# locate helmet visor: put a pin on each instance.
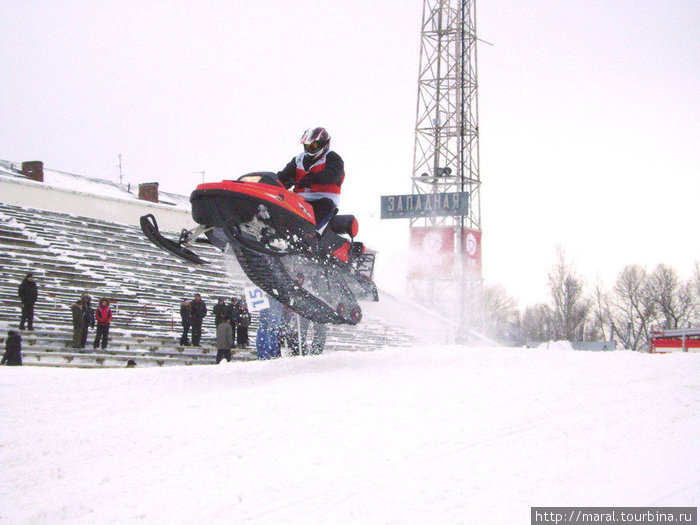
(313, 147)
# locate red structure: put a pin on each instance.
(148, 191)
(34, 170)
(684, 340)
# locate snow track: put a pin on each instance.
(423, 435)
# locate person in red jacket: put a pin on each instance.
(317, 173)
(103, 316)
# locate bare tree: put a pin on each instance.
(691, 299)
(500, 312)
(695, 287)
(601, 315)
(569, 307)
(536, 323)
(637, 302)
(675, 301)
(632, 307)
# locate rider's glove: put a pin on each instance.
(304, 183)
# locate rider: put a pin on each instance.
(317, 173)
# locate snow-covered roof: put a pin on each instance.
(90, 185)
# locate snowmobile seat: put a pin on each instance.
(345, 225)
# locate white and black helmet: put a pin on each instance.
(316, 142)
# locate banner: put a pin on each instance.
(432, 251)
(472, 250)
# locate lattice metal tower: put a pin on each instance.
(446, 152)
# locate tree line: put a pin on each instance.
(625, 312)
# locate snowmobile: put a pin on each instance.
(318, 273)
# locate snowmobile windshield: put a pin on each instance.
(261, 178)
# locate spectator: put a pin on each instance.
(103, 315)
(13, 350)
(131, 363)
(78, 322)
(224, 340)
(88, 318)
(266, 340)
(242, 322)
(186, 317)
(28, 294)
(220, 310)
(199, 312)
(319, 340)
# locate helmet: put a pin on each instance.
(316, 142)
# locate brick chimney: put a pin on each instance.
(34, 170)
(148, 191)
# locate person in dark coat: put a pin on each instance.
(88, 319)
(242, 323)
(316, 174)
(76, 310)
(221, 310)
(186, 319)
(103, 315)
(199, 312)
(28, 294)
(13, 350)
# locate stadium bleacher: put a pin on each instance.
(71, 255)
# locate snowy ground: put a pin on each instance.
(425, 435)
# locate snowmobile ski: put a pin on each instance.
(149, 226)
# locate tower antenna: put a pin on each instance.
(446, 157)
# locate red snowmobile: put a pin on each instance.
(272, 231)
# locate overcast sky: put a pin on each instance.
(589, 119)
